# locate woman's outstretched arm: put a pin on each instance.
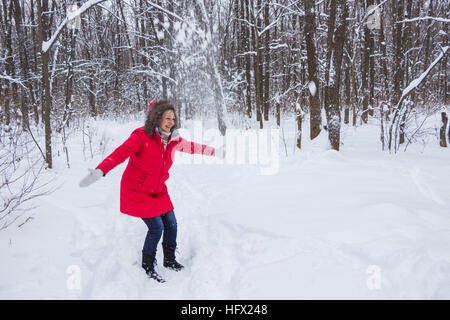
(132, 145)
(193, 147)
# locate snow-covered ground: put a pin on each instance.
(355, 224)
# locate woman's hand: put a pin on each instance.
(220, 152)
(92, 177)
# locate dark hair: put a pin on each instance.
(155, 114)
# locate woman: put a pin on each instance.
(143, 191)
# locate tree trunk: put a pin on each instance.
(384, 65)
(35, 65)
(366, 52)
(257, 63)
(398, 73)
(448, 135)
(371, 74)
(278, 114)
(91, 96)
(443, 142)
(248, 61)
(299, 129)
(347, 96)
(43, 29)
(9, 65)
(336, 51)
(267, 63)
(69, 79)
(314, 103)
(23, 65)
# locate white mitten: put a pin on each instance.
(94, 175)
(220, 152)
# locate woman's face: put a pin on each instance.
(167, 121)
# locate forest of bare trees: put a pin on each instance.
(328, 62)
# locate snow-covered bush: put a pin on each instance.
(21, 174)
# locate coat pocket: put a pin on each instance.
(149, 182)
(141, 180)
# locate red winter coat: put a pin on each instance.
(143, 191)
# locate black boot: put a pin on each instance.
(149, 263)
(169, 259)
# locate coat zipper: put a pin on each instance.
(164, 155)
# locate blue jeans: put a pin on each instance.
(165, 222)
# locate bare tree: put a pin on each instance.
(21, 175)
(401, 109)
(337, 31)
(314, 103)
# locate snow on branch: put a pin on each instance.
(400, 110)
(269, 26)
(275, 22)
(373, 10)
(154, 73)
(439, 19)
(8, 78)
(165, 11)
(46, 45)
(418, 80)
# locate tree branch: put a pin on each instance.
(46, 45)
